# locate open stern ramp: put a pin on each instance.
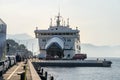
(55, 47)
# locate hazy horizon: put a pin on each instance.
(29, 37)
(97, 20)
(91, 50)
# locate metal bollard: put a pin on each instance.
(24, 67)
(46, 75)
(42, 71)
(51, 78)
(1, 73)
(25, 61)
(22, 75)
(39, 68)
(42, 77)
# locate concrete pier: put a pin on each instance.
(74, 63)
(32, 69)
(34, 74)
(14, 73)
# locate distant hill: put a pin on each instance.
(100, 51)
(23, 36)
(90, 49)
(30, 42)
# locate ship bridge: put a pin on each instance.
(54, 47)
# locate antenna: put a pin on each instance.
(58, 20)
(36, 28)
(76, 28)
(68, 22)
(59, 7)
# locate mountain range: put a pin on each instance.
(100, 51)
(30, 42)
(90, 49)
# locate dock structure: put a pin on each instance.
(26, 71)
(74, 63)
(58, 40)
(32, 69)
(34, 75)
(17, 72)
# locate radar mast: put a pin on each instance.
(58, 20)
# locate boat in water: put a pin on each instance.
(59, 41)
(60, 46)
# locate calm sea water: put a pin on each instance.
(87, 73)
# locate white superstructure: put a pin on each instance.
(59, 40)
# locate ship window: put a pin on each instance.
(59, 33)
(74, 33)
(63, 33)
(56, 28)
(44, 33)
(71, 33)
(52, 29)
(67, 33)
(43, 40)
(48, 33)
(69, 40)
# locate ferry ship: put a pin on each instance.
(60, 46)
(59, 40)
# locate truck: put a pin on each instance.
(80, 56)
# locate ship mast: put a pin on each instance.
(68, 22)
(58, 20)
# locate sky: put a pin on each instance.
(97, 20)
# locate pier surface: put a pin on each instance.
(14, 72)
(32, 73)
